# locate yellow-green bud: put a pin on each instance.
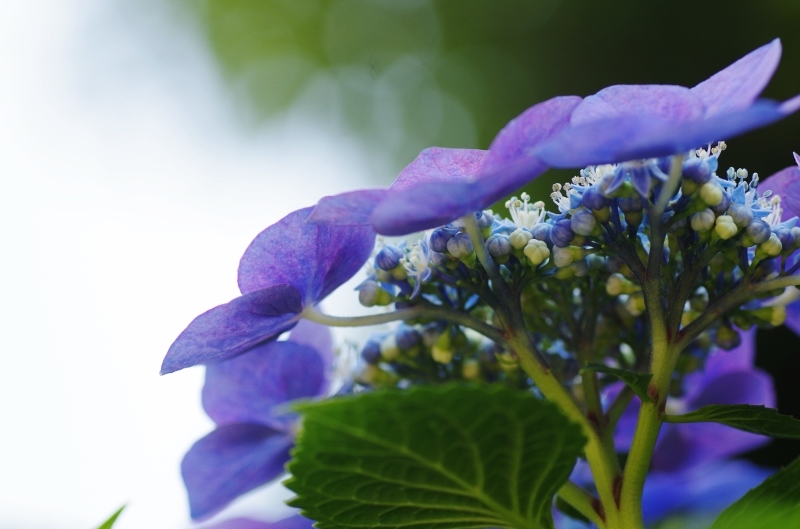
(389, 348)
(635, 304)
(770, 248)
(725, 227)
(617, 284)
(711, 193)
(536, 251)
(471, 370)
(519, 238)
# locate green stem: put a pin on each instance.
(421, 311)
(583, 502)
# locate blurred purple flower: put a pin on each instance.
(247, 398)
(633, 122)
(442, 185)
(786, 184)
(729, 377)
(288, 266)
(292, 522)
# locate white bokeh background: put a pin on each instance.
(129, 191)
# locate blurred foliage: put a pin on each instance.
(408, 74)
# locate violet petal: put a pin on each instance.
(315, 259)
(738, 85)
(250, 388)
(347, 209)
(785, 183)
(661, 102)
(613, 140)
(232, 460)
(316, 336)
(230, 329)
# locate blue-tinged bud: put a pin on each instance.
(630, 204)
(370, 294)
(727, 338)
(499, 247)
(723, 206)
(484, 219)
(542, 232)
(407, 337)
(389, 258)
(758, 232)
(583, 222)
(460, 246)
(562, 233)
(699, 170)
(441, 236)
(581, 268)
(703, 221)
(371, 353)
(438, 259)
(786, 237)
(594, 199)
(742, 215)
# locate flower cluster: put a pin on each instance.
(647, 261)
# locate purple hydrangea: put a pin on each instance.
(289, 266)
(247, 398)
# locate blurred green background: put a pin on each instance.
(408, 74)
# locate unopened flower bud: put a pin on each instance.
(727, 338)
(536, 251)
(563, 256)
(519, 238)
(787, 239)
(371, 353)
(631, 204)
(407, 337)
(723, 205)
(583, 222)
(635, 304)
(699, 170)
(562, 233)
(389, 348)
(460, 246)
(484, 219)
(580, 267)
(371, 294)
(389, 258)
(471, 369)
(771, 247)
(593, 199)
(703, 221)
(742, 215)
(542, 232)
(757, 232)
(442, 350)
(725, 227)
(499, 247)
(441, 236)
(711, 193)
(617, 284)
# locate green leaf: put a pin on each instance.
(755, 419)
(775, 504)
(433, 457)
(108, 524)
(637, 382)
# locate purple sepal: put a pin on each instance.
(315, 259)
(250, 388)
(706, 489)
(230, 329)
(316, 336)
(738, 85)
(232, 460)
(667, 103)
(785, 183)
(292, 522)
(613, 140)
(347, 209)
